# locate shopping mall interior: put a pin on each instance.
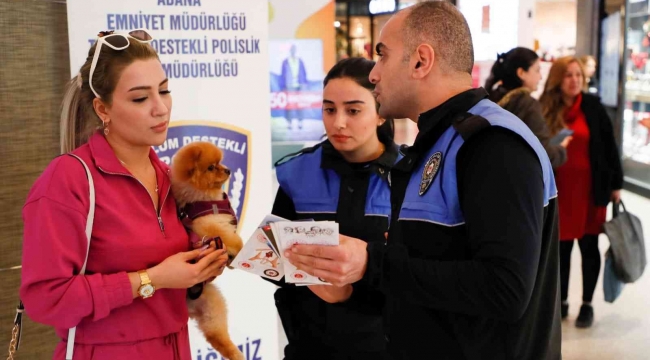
(225, 59)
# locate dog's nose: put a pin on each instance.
(227, 171)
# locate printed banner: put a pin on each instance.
(296, 90)
(215, 54)
(301, 51)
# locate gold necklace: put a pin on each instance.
(156, 176)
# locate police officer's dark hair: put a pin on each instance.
(358, 69)
(505, 68)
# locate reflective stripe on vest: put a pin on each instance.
(440, 203)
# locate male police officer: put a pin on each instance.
(470, 266)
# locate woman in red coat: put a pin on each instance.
(591, 177)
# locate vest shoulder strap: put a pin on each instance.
(468, 125)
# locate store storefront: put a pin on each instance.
(635, 97)
(358, 23)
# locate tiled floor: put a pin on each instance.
(621, 330)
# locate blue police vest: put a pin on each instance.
(440, 203)
(316, 191)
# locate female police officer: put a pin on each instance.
(342, 179)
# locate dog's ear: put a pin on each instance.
(195, 153)
(191, 155)
(196, 157)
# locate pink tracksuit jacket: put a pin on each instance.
(128, 235)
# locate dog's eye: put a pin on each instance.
(211, 168)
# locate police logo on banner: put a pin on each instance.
(233, 141)
(429, 172)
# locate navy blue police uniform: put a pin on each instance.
(319, 184)
(470, 267)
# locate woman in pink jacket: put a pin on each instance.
(112, 123)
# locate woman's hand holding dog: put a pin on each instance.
(222, 261)
(176, 272)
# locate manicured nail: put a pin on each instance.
(287, 254)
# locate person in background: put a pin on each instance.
(342, 179)
(589, 64)
(588, 181)
(518, 72)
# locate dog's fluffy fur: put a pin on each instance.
(197, 175)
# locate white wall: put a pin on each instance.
(552, 24)
(526, 29)
(555, 25)
(503, 32)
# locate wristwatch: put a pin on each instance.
(146, 290)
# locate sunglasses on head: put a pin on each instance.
(116, 41)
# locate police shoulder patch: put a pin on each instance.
(429, 172)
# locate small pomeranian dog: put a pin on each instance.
(197, 180)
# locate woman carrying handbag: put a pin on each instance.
(588, 181)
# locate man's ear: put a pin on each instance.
(422, 61)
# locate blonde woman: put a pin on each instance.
(588, 181)
(130, 303)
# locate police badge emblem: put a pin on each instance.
(430, 171)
